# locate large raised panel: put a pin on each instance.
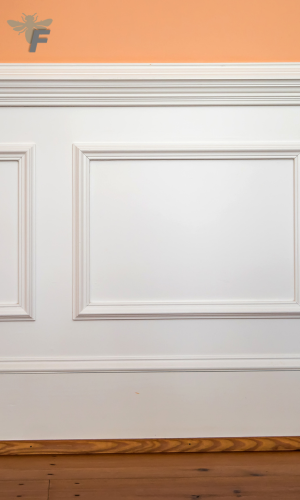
(185, 231)
(16, 232)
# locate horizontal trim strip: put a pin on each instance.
(149, 84)
(106, 71)
(149, 364)
(176, 445)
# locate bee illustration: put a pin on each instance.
(28, 25)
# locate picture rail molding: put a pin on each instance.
(24, 154)
(150, 84)
(84, 309)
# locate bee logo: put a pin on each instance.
(29, 24)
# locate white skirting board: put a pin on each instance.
(149, 405)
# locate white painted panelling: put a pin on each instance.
(189, 230)
(185, 231)
(45, 391)
(17, 232)
(54, 335)
(9, 232)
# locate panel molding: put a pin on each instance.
(84, 309)
(24, 154)
(150, 364)
(150, 84)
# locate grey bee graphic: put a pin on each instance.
(28, 25)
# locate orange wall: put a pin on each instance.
(156, 31)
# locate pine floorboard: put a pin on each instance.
(203, 476)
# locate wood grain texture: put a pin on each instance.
(31, 490)
(195, 445)
(130, 466)
(182, 488)
(261, 476)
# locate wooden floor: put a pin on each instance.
(212, 476)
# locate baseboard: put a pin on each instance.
(176, 445)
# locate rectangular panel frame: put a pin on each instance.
(24, 154)
(84, 309)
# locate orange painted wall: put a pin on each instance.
(156, 31)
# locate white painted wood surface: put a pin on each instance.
(9, 232)
(17, 232)
(117, 405)
(150, 84)
(185, 230)
(190, 204)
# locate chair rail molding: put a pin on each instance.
(24, 154)
(84, 309)
(149, 84)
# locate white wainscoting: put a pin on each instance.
(17, 231)
(166, 257)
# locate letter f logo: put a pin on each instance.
(36, 39)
